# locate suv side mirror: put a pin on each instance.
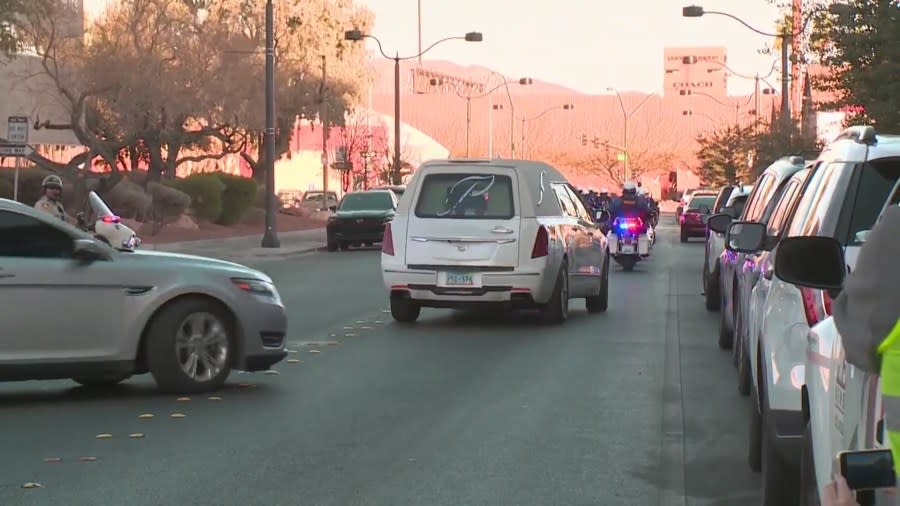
(745, 237)
(88, 250)
(332, 208)
(861, 236)
(719, 222)
(811, 262)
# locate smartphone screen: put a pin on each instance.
(868, 469)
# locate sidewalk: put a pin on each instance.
(246, 249)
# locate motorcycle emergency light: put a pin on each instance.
(630, 224)
(110, 219)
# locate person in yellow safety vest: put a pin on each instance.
(867, 315)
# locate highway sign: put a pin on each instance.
(17, 130)
(11, 150)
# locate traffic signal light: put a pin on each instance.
(584, 139)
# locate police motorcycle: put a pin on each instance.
(628, 241)
(108, 227)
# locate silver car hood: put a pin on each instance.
(193, 261)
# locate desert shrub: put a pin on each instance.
(238, 197)
(168, 204)
(129, 200)
(205, 191)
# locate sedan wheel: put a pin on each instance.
(189, 347)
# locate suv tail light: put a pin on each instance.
(541, 243)
(387, 240)
(816, 305)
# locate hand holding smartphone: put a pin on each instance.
(868, 469)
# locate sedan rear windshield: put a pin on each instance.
(466, 196)
(367, 202)
(699, 201)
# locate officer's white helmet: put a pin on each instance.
(641, 191)
(52, 180)
(604, 191)
(629, 186)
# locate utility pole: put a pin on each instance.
(323, 113)
(270, 236)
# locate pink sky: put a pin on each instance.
(587, 45)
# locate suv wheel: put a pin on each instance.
(684, 235)
(189, 347)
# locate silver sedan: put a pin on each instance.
(74, 307)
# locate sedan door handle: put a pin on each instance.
(502, 230)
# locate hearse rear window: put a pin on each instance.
(466, 196)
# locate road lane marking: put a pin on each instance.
(272, 372)
(50, 460)
(32, 484)
(145, 415)
(182, 399)
(177, 415)
(214, 398)
(87, 459)
(671, 457)
(103, 436)
(293, 361)
(136, 435)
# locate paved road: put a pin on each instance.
(633, 407)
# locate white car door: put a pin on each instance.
(55, 308)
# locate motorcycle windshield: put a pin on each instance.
(99, 206)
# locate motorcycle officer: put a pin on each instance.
(630, 205)
(51, 188)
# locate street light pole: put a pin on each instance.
(627, 115)
(356, 35)
(270, 237)
(468, 124)
(785, 87)
(490, 126)
(395, 171)
(565, 107)
(696, 11)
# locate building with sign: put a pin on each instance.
(695, 68)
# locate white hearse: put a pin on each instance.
(514, 233)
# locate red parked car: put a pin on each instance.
(693, 219)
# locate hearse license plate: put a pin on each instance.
(460, 279)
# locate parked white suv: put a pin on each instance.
(510, 232)
(841, 404)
